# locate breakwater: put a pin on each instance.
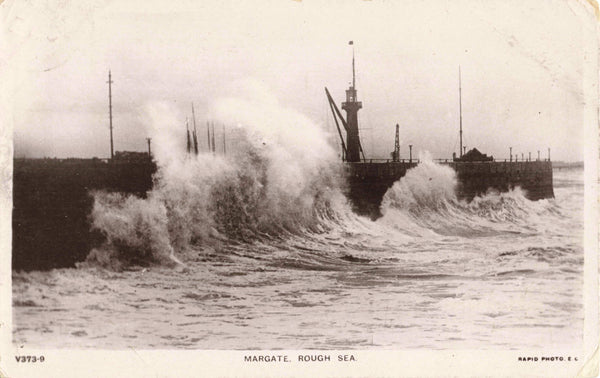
(52, 198)
(368, 181)
(52, 202)
(534, 177)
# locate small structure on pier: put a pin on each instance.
(474, 155)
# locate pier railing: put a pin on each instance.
(492, 161)
(451, 161)
(390, 161)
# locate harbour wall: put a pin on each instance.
(368, 181)
(52, 198)
(474, 178)
(52, 202)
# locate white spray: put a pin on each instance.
(280, 178)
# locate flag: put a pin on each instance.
(351, 42)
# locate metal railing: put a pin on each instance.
(492, 161)
(407, 161)
(417, 161)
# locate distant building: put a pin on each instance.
(474, 155)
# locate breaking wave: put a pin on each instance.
(283, 178)
(284, 182)
(425, 200)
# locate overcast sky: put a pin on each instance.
(522, 66)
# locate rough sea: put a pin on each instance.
(260, 250)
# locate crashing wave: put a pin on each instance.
(282, 178)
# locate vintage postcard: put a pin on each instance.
(299, 188)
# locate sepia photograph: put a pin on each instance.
(290, 188)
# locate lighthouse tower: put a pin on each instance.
(351, 106)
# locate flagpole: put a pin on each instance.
(353, 74)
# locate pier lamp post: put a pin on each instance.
(510, 154)
(548, 153)
(530, 156)
(538, 155)
(410, 153)
(522, 157)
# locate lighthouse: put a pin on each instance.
(352, 106)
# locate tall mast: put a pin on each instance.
(189, 140)
(353, 73)
(195, 137)
(208, 135)
(224, 145)
(214, 150)
(110, 113)
(460, 110)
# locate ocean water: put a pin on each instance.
(260, 250)
(500, 272)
